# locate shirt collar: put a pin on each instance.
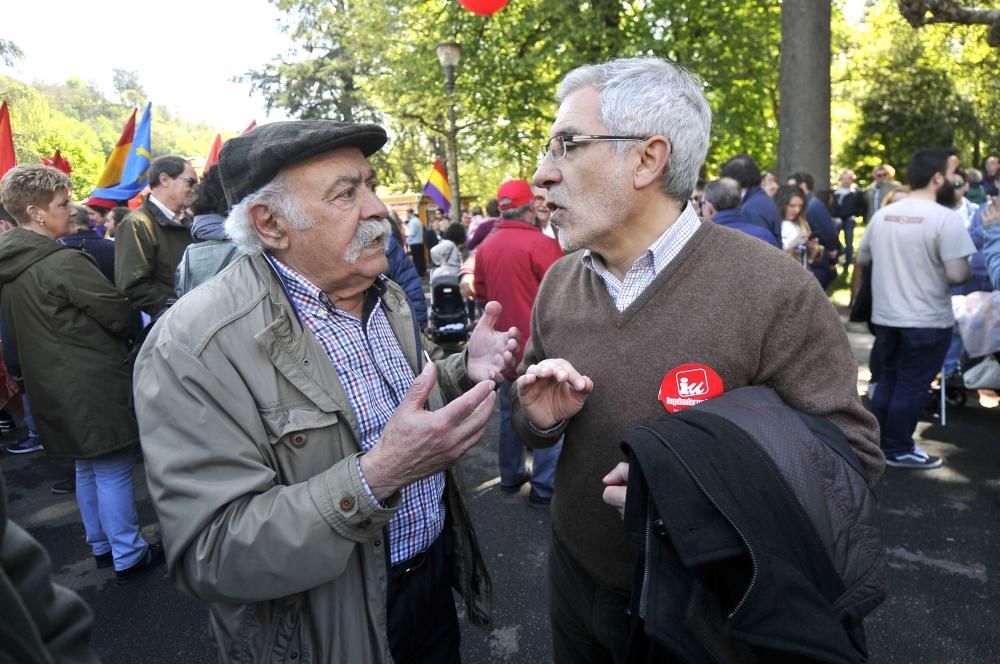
(661, 251)
(308, 293)
(171, 215)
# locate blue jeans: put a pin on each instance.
(911, 357)
(510, 454)
(29, 419)
(106, 498)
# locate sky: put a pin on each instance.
(200, 47)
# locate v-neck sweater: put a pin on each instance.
(727, 301)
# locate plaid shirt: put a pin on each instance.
(649, 264)
(376, 376)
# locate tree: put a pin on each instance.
(926, 12)
(129, 89)
(804, 115)
(9, 52)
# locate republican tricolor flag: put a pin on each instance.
(437, 187)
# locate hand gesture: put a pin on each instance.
(552, 391)
(991, 212)
(616, 487)
(416, 443)
(490, 351)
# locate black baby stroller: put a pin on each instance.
(448, 321)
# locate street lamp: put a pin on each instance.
(449, 53)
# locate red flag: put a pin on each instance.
(58, 161)
(252, 125)
(7, 158)
(213, 153)
(112, 174)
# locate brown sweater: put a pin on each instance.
(729, 301)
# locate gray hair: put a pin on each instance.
(30, 184)
(723, 194)
(277, 197)
(650, 96)
(515, 213)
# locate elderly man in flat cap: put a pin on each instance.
(298, 440)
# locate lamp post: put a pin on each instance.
(449, 53)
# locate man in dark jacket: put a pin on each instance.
(151, 240)
(848, 204)
(70, 327)
(757, 206)
(721, 204)
(86, 239)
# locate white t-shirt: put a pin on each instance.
(791, 235)
(909, 241)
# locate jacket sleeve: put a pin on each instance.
(807, 358)
(991, 250)
(135, 251)
(401, 271)
(42, 621)
(233, 532)
(83, 284)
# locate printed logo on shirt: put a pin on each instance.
(688, 385)
(903, 219)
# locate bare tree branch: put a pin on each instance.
(925, 12)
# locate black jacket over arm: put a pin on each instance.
(759, 536)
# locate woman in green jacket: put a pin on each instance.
(70, 326)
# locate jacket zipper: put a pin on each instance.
(645, 571)
(715, 503)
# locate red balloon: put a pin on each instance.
(484, 7)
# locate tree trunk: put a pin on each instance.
(804, 107)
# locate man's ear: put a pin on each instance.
(654, 157)
(271, 230)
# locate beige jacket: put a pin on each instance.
(251, 445)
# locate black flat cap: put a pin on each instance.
(249, 161)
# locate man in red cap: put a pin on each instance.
(510, 265)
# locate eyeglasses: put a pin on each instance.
(958, 184)
(557, 146)
(191, 181)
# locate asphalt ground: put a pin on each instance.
(940, 533)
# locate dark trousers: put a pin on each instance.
(911, 357)
(418, 258)
(423, 625)
(590, 623)
(847, 225)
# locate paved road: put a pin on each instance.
(940, 529)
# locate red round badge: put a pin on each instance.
(688, 385)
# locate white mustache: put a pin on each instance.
(369, 232)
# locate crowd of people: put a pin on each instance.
(262, 333)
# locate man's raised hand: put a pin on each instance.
(552, 391)
(416, 443)
(490, 351)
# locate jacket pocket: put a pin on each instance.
(302, 441)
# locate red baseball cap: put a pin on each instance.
(514, 194)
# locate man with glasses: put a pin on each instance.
(649, 291)
(151, 240)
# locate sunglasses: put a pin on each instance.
(191, 181)
(958, 184)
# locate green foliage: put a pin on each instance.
(377, 61)
(9, 52)
(897, 89)
(79, 120)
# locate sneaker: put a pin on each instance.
(539, 502)
(25, 446)
(7, 423)
(152, 558)
(916, 459)
(516, 486)
(104, 560)
(64, 487)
